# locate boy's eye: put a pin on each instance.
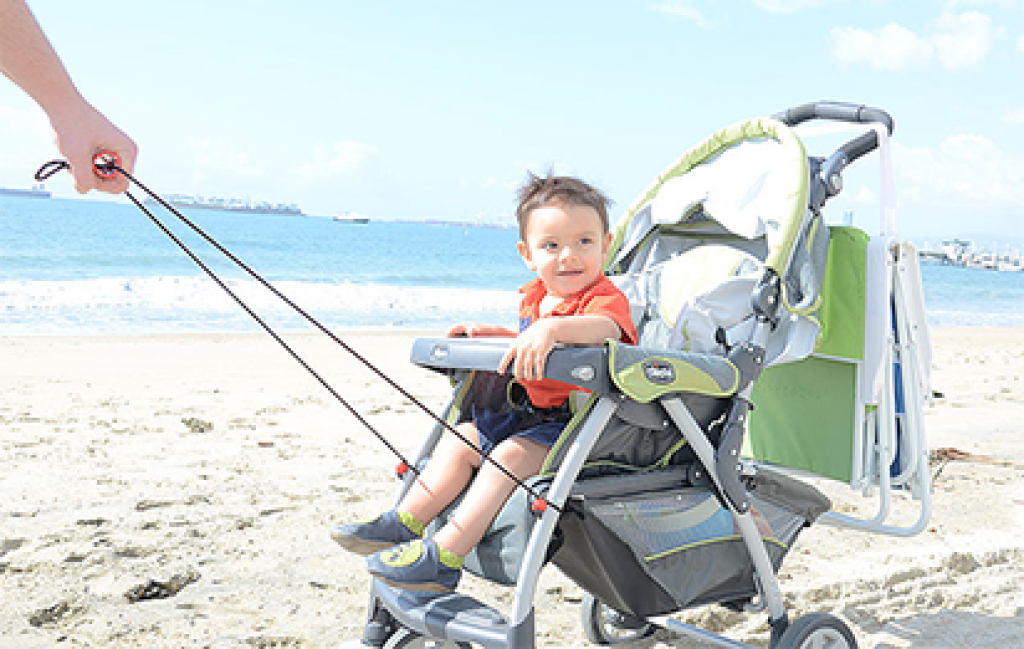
(549, 245)
(586, 241)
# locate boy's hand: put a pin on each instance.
(530, 350)
(477, 330)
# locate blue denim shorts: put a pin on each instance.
(541, 425)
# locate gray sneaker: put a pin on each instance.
(416, 565)
(383, 532)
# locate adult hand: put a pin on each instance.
(80, 132)
(28, 59)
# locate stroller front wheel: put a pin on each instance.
(817, 631)
(604, 625)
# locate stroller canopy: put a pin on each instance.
(747, 181)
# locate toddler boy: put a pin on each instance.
(564, 237)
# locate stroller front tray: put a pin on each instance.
(586, 367)
(642, 373)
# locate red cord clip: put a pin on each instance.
(401, 469)
(538, 506)
(106, 164)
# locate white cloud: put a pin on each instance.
(965, 171)
(682, 9)
(787, 6)
(345, 158)
(959, 41)
(208, 154)
(963, 40)
(891, 48)
(26, 142)
(17, 120)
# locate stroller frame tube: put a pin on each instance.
(536, 549)
(703, 635)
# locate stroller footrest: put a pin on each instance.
(450, 616)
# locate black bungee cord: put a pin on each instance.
(107, 164)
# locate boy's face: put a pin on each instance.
(565, 245)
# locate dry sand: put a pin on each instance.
(129, 459)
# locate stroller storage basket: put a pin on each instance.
(664, 547)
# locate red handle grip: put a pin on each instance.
(106, 164)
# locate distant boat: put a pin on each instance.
(37, 191)
(349, 217)
(227, 205)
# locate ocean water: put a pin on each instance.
(75, 266)
(86, 267)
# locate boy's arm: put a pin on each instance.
(531, 348)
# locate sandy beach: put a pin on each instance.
(137, 458)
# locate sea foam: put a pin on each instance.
(179, 303)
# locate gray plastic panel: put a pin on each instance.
(452, 616)
(586, 367)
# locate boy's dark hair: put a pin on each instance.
(538, 192)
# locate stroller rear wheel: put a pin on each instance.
(817, 631)
(604, 625)
(407, 639)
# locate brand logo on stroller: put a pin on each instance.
(660, 372)
(439, 352)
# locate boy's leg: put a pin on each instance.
(487, 495)
(435, 564)
(447, 473)
(449, 470)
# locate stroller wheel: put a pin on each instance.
(817, 631)
(406, 639)
(605, 626)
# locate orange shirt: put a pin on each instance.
(600, 298)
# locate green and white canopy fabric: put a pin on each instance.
(695, 241)
(750, 178)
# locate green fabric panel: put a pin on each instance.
(781, 241)
(803, 417)
(844, 294)
(630, 369)
(688, 378)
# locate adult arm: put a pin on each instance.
(28, 59)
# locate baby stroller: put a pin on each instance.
(675, 486)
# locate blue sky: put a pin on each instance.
(419, 110)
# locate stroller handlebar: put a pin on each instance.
(841, 112)
(836, 111)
